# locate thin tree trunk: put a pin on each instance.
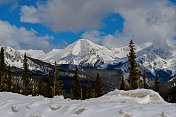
(54, 89)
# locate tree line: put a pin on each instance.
(87, 90)
(53, 86)
(26, 85)
(133, 79)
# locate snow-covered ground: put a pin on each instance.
(137, 103)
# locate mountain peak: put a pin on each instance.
(85, 52)
(82, 47)
(85, 42)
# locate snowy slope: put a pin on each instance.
(37, 54)
(14, 58)
(158, 58)
(137, 103)
(85, 52)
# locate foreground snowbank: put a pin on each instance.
(136, 103)
(142, 96)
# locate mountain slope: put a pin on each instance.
(37, 54)
(159, 58)
(154, 59)
(14, 58)
(84, 52)
(40, 68)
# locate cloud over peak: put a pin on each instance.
(145, 20)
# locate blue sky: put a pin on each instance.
(112, 23)
(58, 26)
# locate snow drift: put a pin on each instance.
(136, 103)
(142, 96)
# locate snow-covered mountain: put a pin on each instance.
(83, 52)
(37, 54)
(14, 58)
(86, 53)
(158, 58)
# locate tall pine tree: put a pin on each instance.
(2, 69)
(26, 76)
(133, 74)
(84, 92)
(122, 84)
(76, 85)
(98, 88)
(34, 87)
(40, 87)
(58, 84)
(89, 90)
(16, 85)
(156, 83)
(9, 79)
(49, 89)
(145, 85)
(43, 87)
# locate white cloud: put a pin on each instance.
(116, 40)
(93, 36)
(110, 40)
(145, 20)
(150, 21)
(72, 15)
(29, 14)
(21, 38)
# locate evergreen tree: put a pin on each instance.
(30, 86)
(84, 92)
(89, 90)
(40, 87)
(133, 74)
(9, 80)
(58, 84)
(139, 79)
(59, 87)
(122, 84)
(98, 88)
(33, 88)
(76, 85)
(145, 85)
(44, 89)
(93, 95)
(49, 89)
(2, 69)
(156, 83)
(25, 76)
(16, 86)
